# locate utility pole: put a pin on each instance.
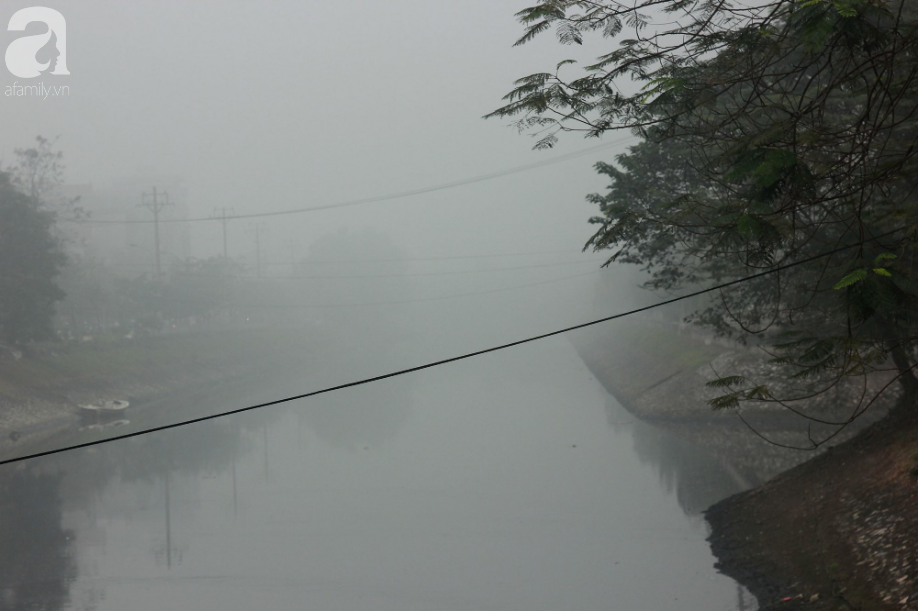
(224, 215)
(258, 249)
(152, 201)
(257, 229)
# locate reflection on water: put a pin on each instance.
(362, 417)
(698, 479)
(36, 562)
(496, 483)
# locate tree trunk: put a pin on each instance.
(906, 406)
(906, 373)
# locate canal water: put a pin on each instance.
(510, 482)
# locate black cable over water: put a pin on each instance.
(454, 359)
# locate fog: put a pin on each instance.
(511, 481)
(272, 106)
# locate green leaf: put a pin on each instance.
(882, 272)
(661, 86)
(725, 402)
(882, 256)
(726, 381)
(531, 32)
(852, 278)
(746, 225)
(845, 9)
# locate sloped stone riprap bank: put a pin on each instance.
(833, 529)
(837, 532)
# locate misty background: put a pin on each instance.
(245, 108)
(513, 480)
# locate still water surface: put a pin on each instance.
(509, 482)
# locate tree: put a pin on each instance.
(39, 173)
(39, 170)
(772, 133)
(30, 258)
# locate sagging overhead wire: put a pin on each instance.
(378, 260)
(444, 258)
(361, 304)
(433, 364)
(454, 272)
(366, 200)
(457, 272)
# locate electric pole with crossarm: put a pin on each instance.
(224, 215)
(155, 201)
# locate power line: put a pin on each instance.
(446, 258)
(405, 275)
(433, 364)
(307, 306)
(318, 306)
(413, 275)
(375, 260)
(375, 198)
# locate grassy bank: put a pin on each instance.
(91, 365)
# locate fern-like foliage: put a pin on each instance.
(771, 132)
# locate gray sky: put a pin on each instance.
(275, 105)
(269, 105)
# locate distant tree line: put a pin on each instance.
(98, 300)
(49, 290)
